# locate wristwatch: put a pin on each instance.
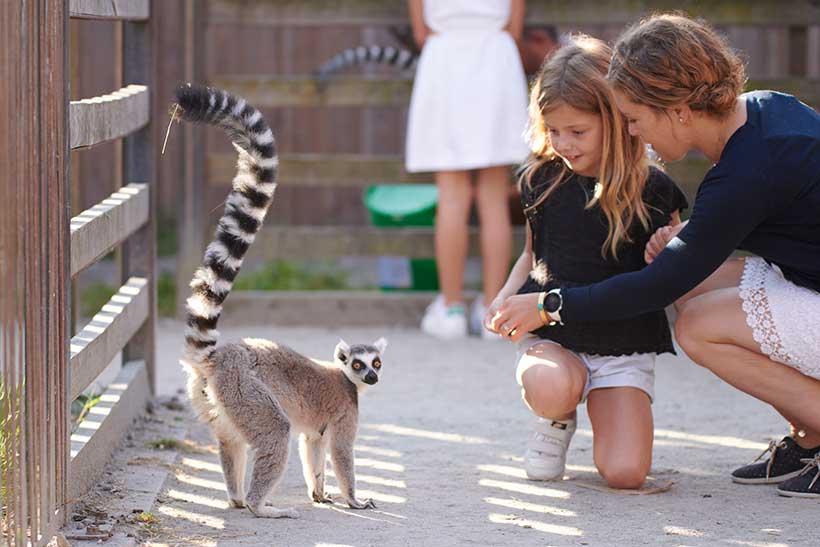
(553, 303)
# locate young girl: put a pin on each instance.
(592, 203)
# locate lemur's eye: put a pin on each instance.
(377, 364)
(357, 365)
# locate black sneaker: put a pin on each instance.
(806, 484)
(783, 464)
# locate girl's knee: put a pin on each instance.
(549, 394)
(624, 474)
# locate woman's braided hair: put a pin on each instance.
(669, 59)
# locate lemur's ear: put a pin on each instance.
(342, 351)
(380, 344)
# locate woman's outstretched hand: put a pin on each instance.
(515, 317)
(659, 239)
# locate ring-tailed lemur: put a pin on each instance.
(402, 58)
(255, 392)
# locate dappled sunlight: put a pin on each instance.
(201, 483)
(380, 465)
(695, 440)
(372, 479)
(525, 489)
(95, 417)
(516, 472)
(680, 531)
(754, 543)
(197, 518)
(434, 435)
(532, 507)
(363, 494)
(188, 497)
(521, 485)
(201, 465)
(534, 524)
(377, 451)
(360, 514)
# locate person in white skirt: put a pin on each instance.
(467, 118)
(755, 321)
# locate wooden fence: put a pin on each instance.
(351, 134)
(43, 367)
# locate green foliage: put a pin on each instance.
(9, 414)
(166, 295)
(94, 297)
(80, 407)
(166, 237)
(165, 444)
(283, 275)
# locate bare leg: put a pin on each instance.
(451, 234)
(803, 436)
(712, 330)
(492, 194)
(232, 454)
(728, 275)
(312, 452)
(552, 381)
(622, 429)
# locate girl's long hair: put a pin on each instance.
(575, 75)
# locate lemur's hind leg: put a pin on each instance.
(312, 452)
(232, 456)
(264, 425)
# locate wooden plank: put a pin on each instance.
(320, 242)
(139, 252)
(358, 170)
(97, 230)
(107, 333)
(116, 10)
(269, 92)
(328, 308)
(325, 170)
(557, 12)
(107, 117)
(34, 276)
(105, 426)
(302, 91)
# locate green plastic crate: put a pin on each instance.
(402, 205)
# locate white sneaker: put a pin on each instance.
(546, 455)
(443, 321)
(477, 313)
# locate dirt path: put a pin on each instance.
(439, 451)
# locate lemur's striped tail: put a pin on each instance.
(252, 194)
(389, 55)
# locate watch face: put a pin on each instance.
(552, 302)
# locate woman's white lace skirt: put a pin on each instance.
(784, 317)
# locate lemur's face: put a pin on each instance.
(361, 363)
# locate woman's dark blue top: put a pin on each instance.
(763, 196)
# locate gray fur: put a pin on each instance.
(255, 393)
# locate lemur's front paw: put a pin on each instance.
(366, 504)
(238, 504)
(321, 498)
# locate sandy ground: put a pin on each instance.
(439, 450)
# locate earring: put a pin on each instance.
(680, 120)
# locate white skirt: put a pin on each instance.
(469, 103)
(784, 317)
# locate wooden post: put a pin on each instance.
(191, 225)
(139, 251)
(34, 275)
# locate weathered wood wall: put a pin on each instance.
(259, 46)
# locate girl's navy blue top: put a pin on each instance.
(567, 239)
(763, 196)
